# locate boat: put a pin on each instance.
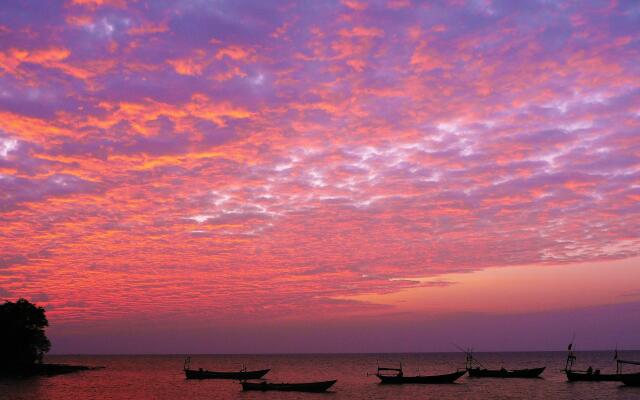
(264, 386)
(591, 375)
(481, 372)
(239, 375)
(505, 373)
(200, 373)
(631, 379)
(397, 377)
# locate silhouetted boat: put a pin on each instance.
(399, 377)
(590, 375)
(205, 374)
(596, 376)
(631, 379)
(288, 387)
(481, 372)
(505, 373)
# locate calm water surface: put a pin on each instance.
(161, 377)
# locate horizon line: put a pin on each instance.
(334, 353)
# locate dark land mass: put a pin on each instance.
(45, 370)
(23, 342)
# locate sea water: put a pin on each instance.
(160, 377)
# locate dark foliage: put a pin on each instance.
(22, 338)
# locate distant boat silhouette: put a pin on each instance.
(505, 373)
(398, 377)
(590, 375)
(481, 372)
(205, 374)
(288, 387)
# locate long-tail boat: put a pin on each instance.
(288, 387)
(480, 372)
(591, 375)
(396, 376)
(205, 374)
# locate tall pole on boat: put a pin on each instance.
(570, 357)
(615, 357)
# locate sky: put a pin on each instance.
(300, 176)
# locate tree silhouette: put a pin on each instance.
(22, 338)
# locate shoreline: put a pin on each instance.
(46, 370)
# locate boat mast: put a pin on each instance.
(187, 363)
(571, 357)
(469, 359)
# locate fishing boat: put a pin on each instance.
(264, 386)
(479, 371)
(631, 379)
(591, 375)
(205, 374)
(505, 373)
(396, 376)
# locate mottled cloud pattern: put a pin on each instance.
(237, 159)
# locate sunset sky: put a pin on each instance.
(254, 176)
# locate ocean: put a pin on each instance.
(160, 377)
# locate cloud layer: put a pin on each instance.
(241, 159)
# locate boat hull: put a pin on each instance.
(239, 375)
(505, 373)
(288, 387)
(424, 379)
(631, 379)
(573, 376)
